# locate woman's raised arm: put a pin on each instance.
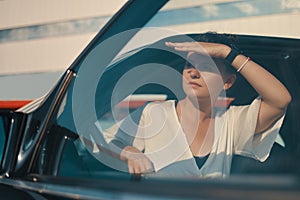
(274, 95)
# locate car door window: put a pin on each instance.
(121, 99)
(107, 89)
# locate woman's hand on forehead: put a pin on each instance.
(204, 48)
(200, 54)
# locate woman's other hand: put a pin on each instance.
(137, 161)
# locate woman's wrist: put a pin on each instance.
(128, 151)
(232, 54)
(226, 51)
(240, 62)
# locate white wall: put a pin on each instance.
(277, 25)
(30, 68)
(50, 53)
(16, 13)
(41, 55)
(22, 61)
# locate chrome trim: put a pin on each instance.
(53, 107)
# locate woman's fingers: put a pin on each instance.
(185, 46)
(131, 167)
(192, 47)
(146, 166)
(137, 161)
(139, 164)
(204, 48)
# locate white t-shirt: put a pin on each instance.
(155, 130)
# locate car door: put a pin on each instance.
(64, 150)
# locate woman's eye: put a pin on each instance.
(188, 66)
(207, 68)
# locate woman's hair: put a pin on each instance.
(227, 39)
(224, 38)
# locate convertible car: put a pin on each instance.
(53, 147)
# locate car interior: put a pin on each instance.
(277, 55)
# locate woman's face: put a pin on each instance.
(202, 78)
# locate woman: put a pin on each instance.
(207, 138)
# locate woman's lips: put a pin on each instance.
(193, 84)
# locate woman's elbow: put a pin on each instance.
(280, 101)
(285, 100)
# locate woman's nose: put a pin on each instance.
(194, 73)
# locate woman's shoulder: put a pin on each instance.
(254, 105)
(238, 110)
(165, 105)
(162, 103)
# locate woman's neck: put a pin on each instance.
(202, 108)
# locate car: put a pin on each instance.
(53, 147)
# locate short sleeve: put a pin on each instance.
(244, 119)
(126, 132)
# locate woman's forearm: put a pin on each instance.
(271, 90)
(274, 95)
